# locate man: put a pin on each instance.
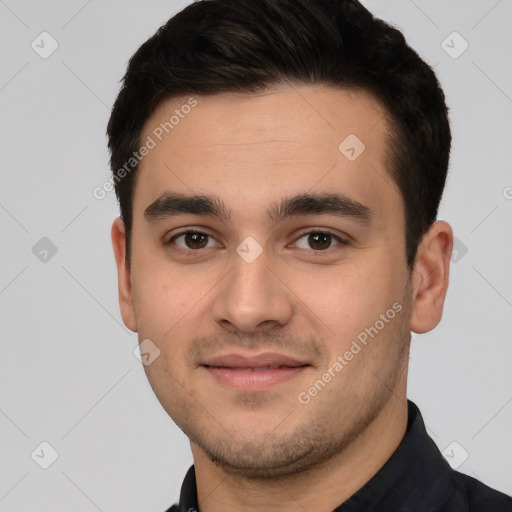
(279, 166)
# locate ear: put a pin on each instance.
(430, 277)
(123, 275)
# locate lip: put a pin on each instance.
(255, 372)
(252, 361)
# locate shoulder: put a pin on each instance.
(480, 497)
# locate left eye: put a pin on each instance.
(318, 240)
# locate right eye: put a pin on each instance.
(191, 240)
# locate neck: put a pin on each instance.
(321, 488)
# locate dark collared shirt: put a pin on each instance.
(416, 478)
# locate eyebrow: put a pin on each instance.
(170, 204)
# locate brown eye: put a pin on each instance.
(319, 241)
(191, 240)
(196, 240)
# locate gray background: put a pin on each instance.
(68, 375)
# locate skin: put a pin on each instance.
(265, 450)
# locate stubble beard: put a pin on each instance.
(281, 454)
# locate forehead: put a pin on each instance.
(251, 148)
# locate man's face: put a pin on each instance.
(289, 293)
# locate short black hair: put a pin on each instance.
(248, 46)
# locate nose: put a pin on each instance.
(253, 297)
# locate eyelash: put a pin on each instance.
(341, 241)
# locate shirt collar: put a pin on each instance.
(416, 477)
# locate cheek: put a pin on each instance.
(170, 304)
(161, 290)
(349, 299)
(162, 318)
(161, 305)
(153, 300)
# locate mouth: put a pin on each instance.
(253, 373)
